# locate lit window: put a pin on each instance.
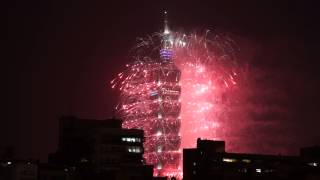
(138, 150)
(246, 160)
(258, 170)
(194, 163)
(131, 139)
(314, 164)
(134, 149)
(228, 160)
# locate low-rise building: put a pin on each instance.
(210, 161)
(100, 148)
(18, 170)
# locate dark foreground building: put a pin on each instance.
(210, 161)
(96, 149)
(18, 170)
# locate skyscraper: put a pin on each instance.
(151, 102)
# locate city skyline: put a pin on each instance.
(62, 57)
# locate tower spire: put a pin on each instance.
(167, 42)
(166, 26)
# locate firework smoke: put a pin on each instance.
(209, 73)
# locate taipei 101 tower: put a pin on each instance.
(150, 101)
(166, 124)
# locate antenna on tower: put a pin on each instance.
(166, 27)
(167, 42)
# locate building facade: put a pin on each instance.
(101, 149)
(18, 170)
(210, 161)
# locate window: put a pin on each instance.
(229, 160)
(314, 164)
(134, 149)
(130, 139)
(246, 160)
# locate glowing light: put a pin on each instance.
(246, 160)
(228, 160)
(159, 133)
(313, 164)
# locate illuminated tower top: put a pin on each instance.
(166, 41)
(166, 27)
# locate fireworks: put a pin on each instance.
(209, 73)
(150, 95)
(174, 108)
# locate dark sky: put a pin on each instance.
(61, 56)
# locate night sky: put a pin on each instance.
(61, 56)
